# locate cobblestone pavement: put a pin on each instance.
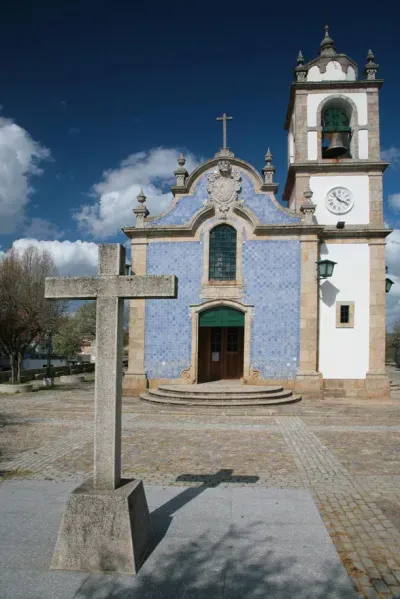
(346, 453)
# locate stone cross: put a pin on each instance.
(109, 289)
(224, 118)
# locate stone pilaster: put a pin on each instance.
(376, 199)
(301, 126)
(308, 381)
(302, 186)
(135, 379)
(374, 145)
(377, 382)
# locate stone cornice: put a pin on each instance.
(323, 232)
(295, 229)
(360, 84)
(330, 166)
(189, 230)
(354, 231)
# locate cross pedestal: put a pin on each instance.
(106, 525)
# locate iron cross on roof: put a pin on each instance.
(224, 118)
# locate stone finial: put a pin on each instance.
(327, 47)
(141, 211)
(308, 208)
(371, 67)
(300, 71)
(181, 173)
(268, 169)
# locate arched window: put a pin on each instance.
(222, 261)
(336, 130)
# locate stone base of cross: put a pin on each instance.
(106, 525)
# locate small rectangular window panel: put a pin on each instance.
(344, 314)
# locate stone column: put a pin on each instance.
(377, 382)
(135, 379)
(308, 379)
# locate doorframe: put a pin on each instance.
(191, 374)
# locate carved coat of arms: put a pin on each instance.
(224, 187)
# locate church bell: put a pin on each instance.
(336, 146)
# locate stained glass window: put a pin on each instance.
(222, 265)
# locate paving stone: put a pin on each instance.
(345, 453)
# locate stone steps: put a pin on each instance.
(219, 388)
(219, 395)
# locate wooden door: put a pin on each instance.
(233, 352)
(220, 353)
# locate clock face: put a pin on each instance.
(339, 200)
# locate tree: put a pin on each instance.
(67, 341)
(395, 342)
(86, 320)
(24, 312)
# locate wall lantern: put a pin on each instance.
(388, 284)
(325, 268)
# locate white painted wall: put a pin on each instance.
(363, 144)
(344, 353)
(314, 100)
(334, 72)
(358, 185)
(312, 145)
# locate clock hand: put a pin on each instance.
(339, 200)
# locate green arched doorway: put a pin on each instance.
(221, 342)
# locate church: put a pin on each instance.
(272, 294)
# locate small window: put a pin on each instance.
(345, 315)
(222, 260)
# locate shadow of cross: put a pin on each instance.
(162, 516)
(109, 289)
(213, 480)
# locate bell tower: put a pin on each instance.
(332, 123)
(335, 171)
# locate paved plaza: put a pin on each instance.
(301, 480)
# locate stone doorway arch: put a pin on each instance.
(192, 373)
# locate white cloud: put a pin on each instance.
(394, 201)
(392, 155)
(115, 195)
(20, 156)
(71, 257)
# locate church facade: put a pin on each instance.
(270, 294)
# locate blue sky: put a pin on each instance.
(92, 90)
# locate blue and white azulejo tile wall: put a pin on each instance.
(260, 204)
(263, 207)
(168, 334)
(272, 283)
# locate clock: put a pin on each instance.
(339, 200)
